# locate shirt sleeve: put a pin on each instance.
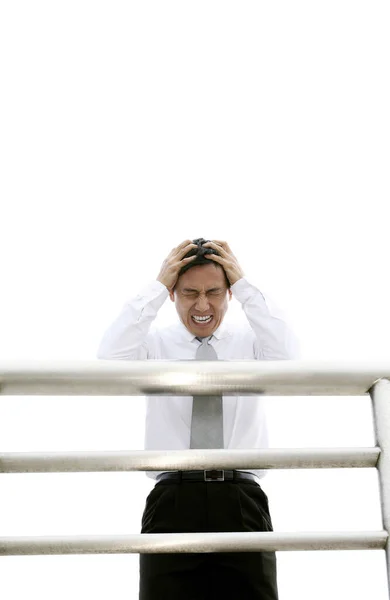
(128, 337)
(274, 339)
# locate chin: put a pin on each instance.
(203, 331)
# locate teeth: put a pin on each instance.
(202, 318)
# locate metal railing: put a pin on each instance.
(282, 378)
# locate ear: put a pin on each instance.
(172, 295)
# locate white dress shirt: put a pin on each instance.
(168, 418)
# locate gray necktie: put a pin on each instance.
(207, 416)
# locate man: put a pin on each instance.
(201, 277)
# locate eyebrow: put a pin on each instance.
(216, 289)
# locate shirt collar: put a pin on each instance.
(220, 333)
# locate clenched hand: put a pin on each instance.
(174, 262)
(226, 259)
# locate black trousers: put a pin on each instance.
(187, 506)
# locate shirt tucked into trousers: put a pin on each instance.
(207, 507)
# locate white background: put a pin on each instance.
(127, 127)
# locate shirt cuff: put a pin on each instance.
(242, 290)
(153, 290)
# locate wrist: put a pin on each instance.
(161, 280)
(236, 278)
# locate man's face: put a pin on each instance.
(201, 297)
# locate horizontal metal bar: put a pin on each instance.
(186, 460)
(102, 377)
(152, 543)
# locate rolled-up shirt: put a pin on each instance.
(265, 336)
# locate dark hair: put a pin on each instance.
(200, 258)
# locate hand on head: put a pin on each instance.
(225, 257)
(175, 260)
(180, 258)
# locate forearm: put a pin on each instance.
(274, 338)
(128, 337)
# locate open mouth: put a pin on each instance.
(202, 321)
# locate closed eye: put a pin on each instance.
(212, 292)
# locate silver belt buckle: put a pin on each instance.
(214, 475)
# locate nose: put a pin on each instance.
(202, 304)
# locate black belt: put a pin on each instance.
(208, 476)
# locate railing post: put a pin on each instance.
(380, 396)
